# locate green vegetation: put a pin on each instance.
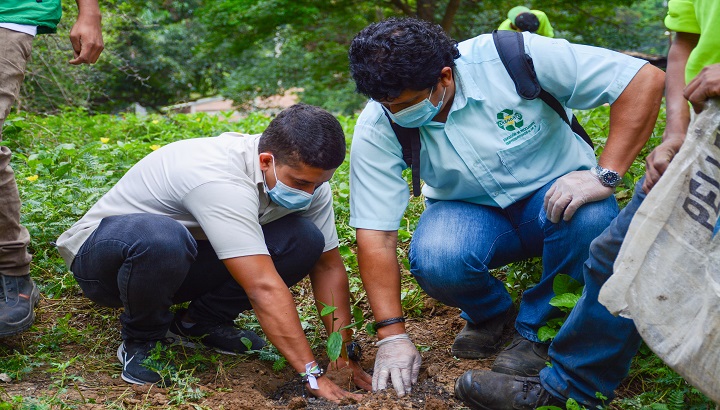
(162, 53)
(64, 163)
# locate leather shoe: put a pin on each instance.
(482, 340)
(487, 390)
(522, 357)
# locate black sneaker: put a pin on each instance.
(482, 340)
(486, 390)
(18, 297)
(223, 337)
(522, 357)
(138, 368)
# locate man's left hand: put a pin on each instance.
(572, 191)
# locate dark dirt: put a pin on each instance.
(92, 380)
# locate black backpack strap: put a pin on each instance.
(511, 49)
(409, 139)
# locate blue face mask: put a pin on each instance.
(287, 197)
(417, 115)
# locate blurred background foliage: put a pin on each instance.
(162, 52)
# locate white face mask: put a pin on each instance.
(417, 115)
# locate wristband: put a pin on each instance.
(354, 351)
(312, 373)
(388, 322)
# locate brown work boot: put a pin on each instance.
(482, 340)
(486, 390)
(522, 357)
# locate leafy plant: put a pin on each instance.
(567, 293)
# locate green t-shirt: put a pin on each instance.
(697, 17)
(545, 29)
(44, 14)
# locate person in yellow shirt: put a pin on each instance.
(521, 18)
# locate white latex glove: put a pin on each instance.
(572, 191)
(397, 357)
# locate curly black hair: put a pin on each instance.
(398, 54)
(305, 134)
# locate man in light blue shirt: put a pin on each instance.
(506, 179)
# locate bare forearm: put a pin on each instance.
(88, 8)
(274, 307)
(632, 119)
(677, 108)
(380, 273)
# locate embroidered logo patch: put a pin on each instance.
(509, 120)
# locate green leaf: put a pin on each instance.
(247, 342)
(546, 333)
(334, 346)
(358, 316)
(565, 300)
(566, 284)
(370, 329)
(327, 310)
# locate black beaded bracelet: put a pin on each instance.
(388, 322)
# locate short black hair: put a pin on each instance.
(527, 22)
(305, 134)
(399, 54)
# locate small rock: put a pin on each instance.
(5, 378)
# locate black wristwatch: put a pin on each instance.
(353, 351)
(607, 177)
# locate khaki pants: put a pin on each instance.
(15, 50)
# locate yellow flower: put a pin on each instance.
(197, 119)
(32, 178)
(155, 121)
(104, 140)
(154, 147)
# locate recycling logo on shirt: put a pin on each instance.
(509, 120)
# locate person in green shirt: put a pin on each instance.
(20, 22)
(521, 18)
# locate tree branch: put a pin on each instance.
(449, 17)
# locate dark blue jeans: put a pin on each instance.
(592, 351)
(145, 263)
(457, 243)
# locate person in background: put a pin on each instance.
(20, 22)
(521, 18)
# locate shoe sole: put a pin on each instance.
(184, 341)
(26, 322)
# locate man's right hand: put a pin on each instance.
(704, 86)
(398, 358)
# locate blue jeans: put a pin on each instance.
(457, 243)
(146, 263)
(593, 349)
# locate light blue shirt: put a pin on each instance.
(495, 147)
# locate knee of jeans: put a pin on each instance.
(438, 264)
(592, 219)
(164, 236)
(95, 291)
(296, 234)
